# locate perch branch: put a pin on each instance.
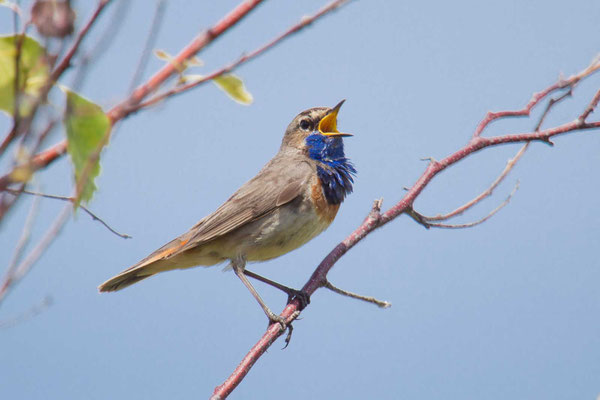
(376, 220)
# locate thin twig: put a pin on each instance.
(49, 155)
(591, 107)
(23, 169)
(368, 299)
(66, 60)
(537, 97)
(25, 266)
(159, 13)
(73, 200)
(477, 143)
(23, 240)
(130, 105)
(27, 315)
(305, 21)
(552, 103)
(486, 193)
(110, 32)
(469, 224)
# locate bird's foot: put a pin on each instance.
(301, 295)
(277, 319)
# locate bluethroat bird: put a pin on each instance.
(293, 198)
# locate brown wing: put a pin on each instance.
(279, 182)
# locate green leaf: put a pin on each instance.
(234, 87)
(180, 67)
(88, 130)
(33, 72)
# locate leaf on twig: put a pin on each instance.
(87, 128)
(33, 72)
(179, 66)
(234, 87)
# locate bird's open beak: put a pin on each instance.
(328, 124)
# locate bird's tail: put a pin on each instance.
(124, 279)
(156, 262)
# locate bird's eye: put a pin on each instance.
(305, 125)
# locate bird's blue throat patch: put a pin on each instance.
(333, 168)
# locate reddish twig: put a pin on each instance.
(552, 103)
(43, 159)
(305, 21)
(427, 222)
(170, 69)
(375, 219)
(486, 193)
(66, 60)
(134, 101)
(591, 107)
(6, 203)
(537, 97)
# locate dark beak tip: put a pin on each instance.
(339, 105)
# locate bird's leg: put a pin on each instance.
(238, 265)
(301, 295)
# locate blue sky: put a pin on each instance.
(508, 309)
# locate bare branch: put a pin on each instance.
(98, 49)
(372, 222)
(32, 312)
(43, 159)
(132, 104)
(368, 299)
(486, 193)
(552, 103)
(159, 13)
(305, 21)
(424, 220)
(23, 240)
(72, 200)
(537, 97)
(591, 107)
(24, 267)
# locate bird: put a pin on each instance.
(291, 200)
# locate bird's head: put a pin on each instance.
(315, 127)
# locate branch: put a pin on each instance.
(426, 222)
(43, 159)
(305, 21)
(159, 13)
(375, 219)
(14, 276)
(486, 193)
(571, 82)
(27, 315)
(134, 102)
(72, 200)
